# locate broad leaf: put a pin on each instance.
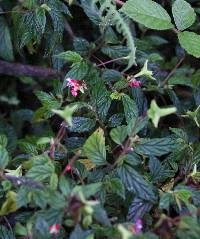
(155, 147)
(78, 71)
(95, 148)
(4, 157)
(100, 100)
(6, 49)
(134, 182)
(190, 41)
(138, 208)
(40, 19)
(119, 134)
(82, 124)
(184, 14)
(148, 13)
(69, 56)
(6, 233)
(130, 108)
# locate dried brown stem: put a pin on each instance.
(18, 69)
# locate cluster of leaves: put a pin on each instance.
(96, 163)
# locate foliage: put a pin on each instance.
(100, 117)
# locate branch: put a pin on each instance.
(18, 181)
(18, 69)
(165, 81)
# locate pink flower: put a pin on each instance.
(68, 168)
(134, 83)
(76, 85)
(137, 227)
(54, 229)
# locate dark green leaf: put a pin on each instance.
(155, 147)
(4, 157)
(95, 149)
(82, 124)
(130, 108)
(119, 134)
(6, 49)
(134, 182)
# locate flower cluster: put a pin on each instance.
(54, 229)
(137, 227)
(76, 85)
(134, 83)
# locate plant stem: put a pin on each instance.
(110, 61)
(172, 72)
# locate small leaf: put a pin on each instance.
(9, 205)
(190, 41)
(148, 13)
(184, 14)
(82, 124)
(69, 56)
(95, 149)
(4, 157)
(119, 134)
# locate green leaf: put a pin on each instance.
(148, 13)
(54, 181)
(42, 169)
(100, 100)
(138, 208)
(159, 172)
(82, 124)
(78, 233)
(69, 56)
(134, 182)
(78, 71)
(95, 149)
(165, 200)
(100, 215)
(190, 41)
(88, 190)
(115, 185)
(40, 19)
(119, 134)
(184, 15)
(155, 147)
(4, 157)
(48, 100)
(6, 233)
(130, 108)
(3, 140)
(6, 49)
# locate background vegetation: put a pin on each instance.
(99, 119)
